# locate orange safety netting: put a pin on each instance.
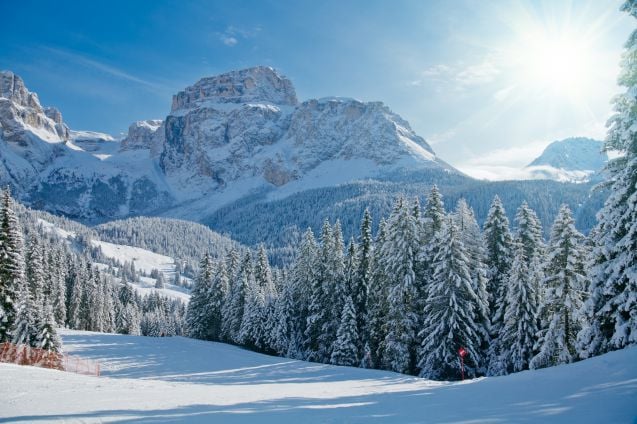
(27, 355)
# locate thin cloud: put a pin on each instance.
(463, 75)
(233, 34)
(229, 41)
(107, 69)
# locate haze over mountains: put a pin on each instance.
(239, 147)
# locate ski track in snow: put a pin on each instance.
(157, 380)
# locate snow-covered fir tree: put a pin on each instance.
(377, 305)
(529, 235)
(473, 241)
(564, 294)
(198, 308)
(314, 345)
(47, 337)
(450, 313)
(499, 256)
(12, 266)
(518, 334)
(345, 349)
(235, 306)
(612, 307)
(363, 277)
(399, 255)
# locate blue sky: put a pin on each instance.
(463, 73)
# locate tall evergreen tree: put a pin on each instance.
(529, 235)
(499, 250)
(612, 307)
(345, 350)
(565, 281)
(473, 241)
(399, 250)
(12, 266)
(518, 333)
(363, 276)
(235, 306)
(378, 305)
(450, 313)
(316, 341)
(198, 307)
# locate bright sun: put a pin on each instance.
(554, 64)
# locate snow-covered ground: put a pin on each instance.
(178, 379)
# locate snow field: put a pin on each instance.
(183, 380)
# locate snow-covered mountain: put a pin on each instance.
(573, 159)
(240, 153)
(225, 137)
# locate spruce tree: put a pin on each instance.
(450, 313)
(234, 309)
(315, 348)
(612, 307)
(345, 349)
(12, 266)
(499, 256)
(378, 304)
(473, 241)
(198, 308)
(565, 281)
(363, 276)
(47, 337)
(518, 333)
(399, 252)
(529, 235)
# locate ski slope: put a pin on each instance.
(155, 380)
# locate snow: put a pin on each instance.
(177, 379)
(144, 260)
(51, 228)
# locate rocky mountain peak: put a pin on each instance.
(12, 87)
(260, 84)
(573, 154)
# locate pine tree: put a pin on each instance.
(430, 227)
(612, 307)
(529, 235)
(47, 337)
(25, 327)
(299, 293)
(196, 315)
(251, 331)
(234, 309)
(399, 251)
(315, 349)
(363, 277)
(12, 266)
(334, 289)
(450, 313)
(378, 305)
(518, 334)
(473, 241)
(214, 302)
(35, 275)
(345, 350)
(499, 250)
(565, 280)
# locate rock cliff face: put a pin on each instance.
(227, 136)
(248, 125)
(144, 135)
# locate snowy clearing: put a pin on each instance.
(177, 379)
